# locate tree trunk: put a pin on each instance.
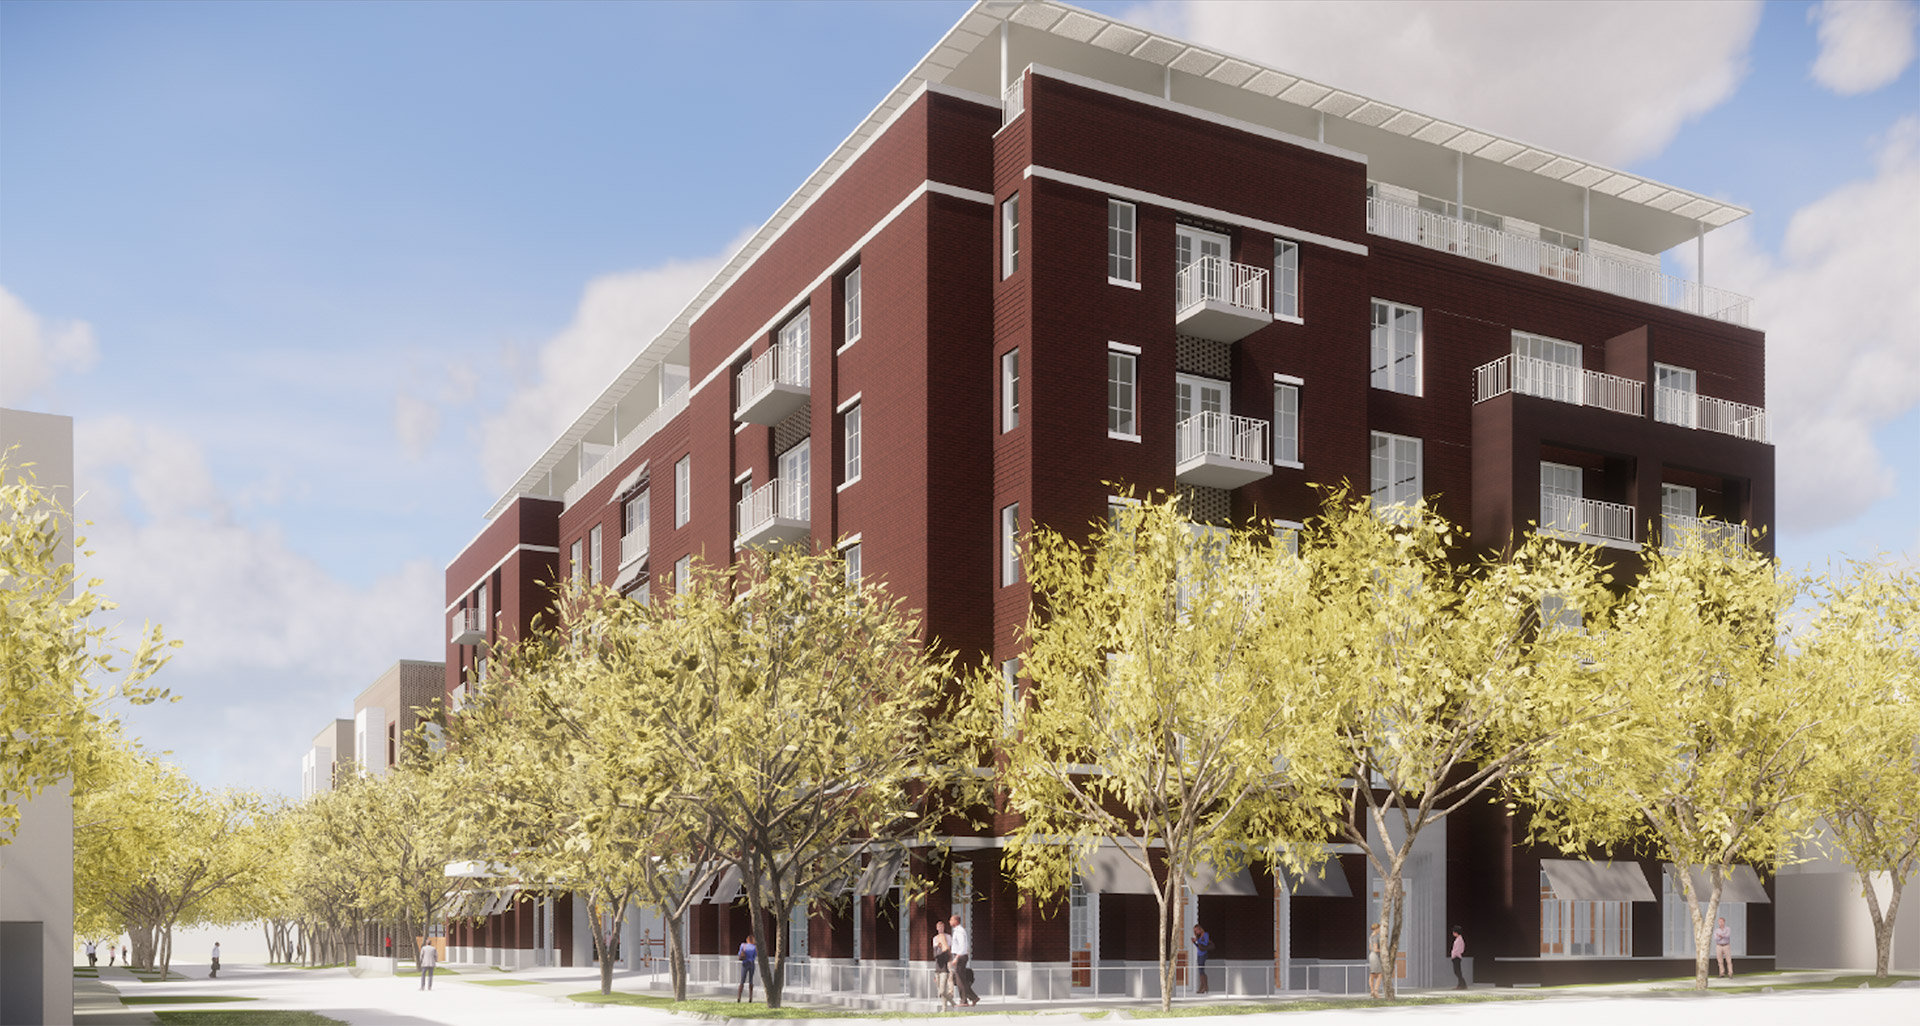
(1169, 929)
(676, 958)
(1391, 898)
(1702, 927)
(1882, 923)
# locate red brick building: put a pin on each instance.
(1066, 251)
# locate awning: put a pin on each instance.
(634, 575)
(726, 888)
(1328, 880)
(881, 872)
(1207, 880)
(1110, 871)
(631, 482)
(1581, 880)
(1742, 884)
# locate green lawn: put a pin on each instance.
(1837, 983)
(734, 1010)
(234, 1017)
(1181, 1011)
(183, 999)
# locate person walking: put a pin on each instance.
(216, 961)
(962, 947)
(123, 955)
(1457, 952)
(748, 955)
(1723, 947)
(1202, 947)
(942, 959)
(112, 947)
(93, 957)
(428, 958)
(1376, 959)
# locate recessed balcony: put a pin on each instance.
(469, 627)
(1527, 375)
(1220, 300)
(1691, 409)
(1217, 450)
(774, 385)
(1677, 530)
(1590, 521)
(773, 515)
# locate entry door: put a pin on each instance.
(796, 473)
(1193, 395)
(1676, 501)
(1560, 487)
(1083, 935)
(1192, 244)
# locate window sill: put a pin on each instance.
(1293, 464)
(1395, 391)
(844, 485)
(848, 344)
(1287, 319)
(1123, 283)
(1119, 437)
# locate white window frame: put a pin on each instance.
(682, 569)
(1009, 236)
(850, 554)
(1286, 535)
(1286, 421)
(638, 502)
(1393, 484)
(1125, 238)
(1565, 919)
(595, 550)
(1010, 544)
(1009, 390)
(1688, 413)
(1194, 383)
(1383, 374)
(1122, 355)
(1011, 698)
(577, 570)
(850, 290)
(850, 448)
(1567, 481)
(1286, 281)
(683, 491)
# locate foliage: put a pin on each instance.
(377, 848)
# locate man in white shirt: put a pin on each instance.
(961, 944)
(93, 955)
(429, 957)
(216, 961)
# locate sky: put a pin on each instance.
(318, 281)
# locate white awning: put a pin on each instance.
(1742, 884)
(1208, 880)
(1581, 880)
(630, 482)
(881, 872)
(1328, 880)
(1110, 871)
(726, 888)
(635, 573)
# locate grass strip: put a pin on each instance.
(183, 999)
(235, 1017)
(1320, 1005)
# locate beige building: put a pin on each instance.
(321, 766)
(390, 708)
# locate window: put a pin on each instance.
(1286, 423)
(1583, 929)
(1675, 394)
(1191, 246)
(480, 606)
(1010, 236)
(796, 481)
(1009, 390)
(1286, 536)
(1286, 279)
(1557, 613)
(577, 571)
(1396, 470)
(852, 293)
(1121, 366)
(594, 551)
(1547, 367)
(1010, 545)
(1679, 501)
(682, 574)
(850, 555)
(1011, 693)
(1193, 395)
(1121, 243)
(796, 343)
(1677, 931)
(636, 517)
(850, 451)
(682, 491)
(1396, 347)
(1561, 489)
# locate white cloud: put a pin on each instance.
(1841, 311)
(618, 314)
(416, 421)
(1864, 44)
(1609, 82)
(34, 353)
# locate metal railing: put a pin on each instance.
(781, 364)
(1586, 518)
(634, 544)
(468, 620)
(1530, 375)
(1690, 409)
(776, 498)
(668, 409)
(1220, 434)
(1410, 223)
(918, 982)
(1676, 529)
(1212, 278)
(1013, 101)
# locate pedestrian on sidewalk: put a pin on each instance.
(1202, 947)
(93, 956)
(962, 947)
(942, 959)
(1458, 952)
(428, 958)
(1723, 947)
(1376, 960)
(110, 951)
(216, 961)
(748, 955)
(123, 955)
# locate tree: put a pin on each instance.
(803, 716)
(1444, 677)
(1715, 756)
(393, 833)
(1866, 643)
(1163, 709)
(54, 653)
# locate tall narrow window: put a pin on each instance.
(796, 481)
(638, 520)
(850, 421)
(852, 291)
(594, 552)
(1675, 395)
(1010, 236)
(1396, 470)
(1121, 380)
(682, 574)
(1010, 545)
(577, 571)
(1009, 390)
(1010, 682)
(1286, 278)
(1396, 347)
(1286, 423)
(850, 555)
(682, 491)
(1560, 491)
(1547, 367)
(1121, 243)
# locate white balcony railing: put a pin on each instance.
(1529, 375)
(650, 426)
(1221, 281)
(1243, 439)
(1528, 253)
(1013, 101)
(1586, 519)
(773, 512)
(633, 545)
(469, 627)
(774, 385)
(1690, 409)
(1714, 534)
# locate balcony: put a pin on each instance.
(1690, 409)
(633, 545)
(1677, 530)
(1013, 102)
(774, 385)
(1526, 375)
(597, 472)
(772, 515)
(1520, 252)
(1217, 450)
(1220, 300)
(469, 627)
(1587, 520)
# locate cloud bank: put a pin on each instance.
(34, 353)
(1864, 44)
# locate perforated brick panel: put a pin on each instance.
(1203, 356)
(790, 431)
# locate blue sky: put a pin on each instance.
(309, 276)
